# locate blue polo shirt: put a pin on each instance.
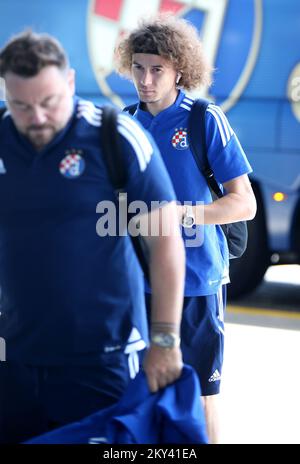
(207, 252)
(67, 294)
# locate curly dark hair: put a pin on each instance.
(172, 38)
(28, 52)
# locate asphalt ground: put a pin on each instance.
(260, 394)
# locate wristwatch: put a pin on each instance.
(165, 339)
(188, 218)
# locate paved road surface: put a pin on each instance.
(261, 376)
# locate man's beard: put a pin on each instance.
(40, 136)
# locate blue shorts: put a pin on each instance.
(202, 337)
(33, 400)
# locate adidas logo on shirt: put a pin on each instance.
(215, 377)
(2, 167)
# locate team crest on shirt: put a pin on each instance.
(72, 165)
(179, 139)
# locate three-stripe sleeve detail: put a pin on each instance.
(127, 127)
(224, 127)
(137, 139)
(90, 112)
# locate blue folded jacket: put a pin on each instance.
(172, 415)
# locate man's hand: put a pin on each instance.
(162, 366)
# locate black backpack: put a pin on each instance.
(236, 233)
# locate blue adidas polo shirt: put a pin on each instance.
(207, 258)
(69, 295)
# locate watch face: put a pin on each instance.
(165, 340)
(189, 221)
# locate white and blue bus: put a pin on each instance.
(254, 48)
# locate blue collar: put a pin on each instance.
(177, 103)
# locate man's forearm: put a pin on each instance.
(167, 274)
(238, 204)
(163, 363)
(230, 208)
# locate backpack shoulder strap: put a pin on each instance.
(111, 148)
(131, 109)
(2, 111)
(198, 133)
(198, 143)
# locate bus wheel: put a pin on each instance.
(247, 272)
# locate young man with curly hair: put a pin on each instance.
(163, 56)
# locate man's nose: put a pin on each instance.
(38, 115)
(146, 78)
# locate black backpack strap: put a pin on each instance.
(236, 233)
(131, 109)
(112, 155)
(111, 148)
(198, 143)
(2, 111)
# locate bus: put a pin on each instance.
(253, 46)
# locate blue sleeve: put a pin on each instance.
(148, 179)
(225, 153)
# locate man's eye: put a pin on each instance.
(49, 103)
(21, 107)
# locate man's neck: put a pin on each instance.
(157, 107)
